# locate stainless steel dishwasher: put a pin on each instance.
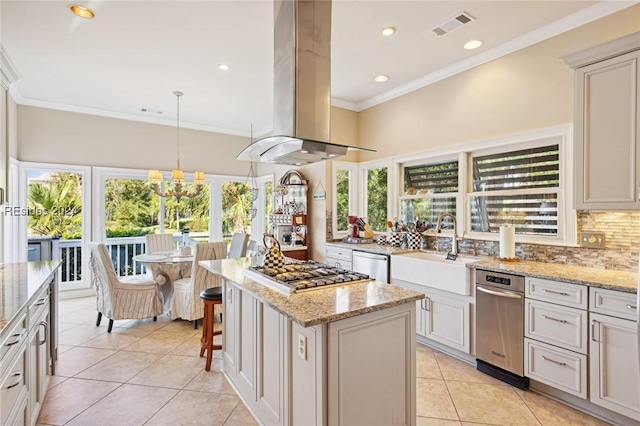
(373, 264)
(500, 326)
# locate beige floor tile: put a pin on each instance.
(159, 342)
(180, 326)
(433, 400)
(494, 404)
(481, 424)
(211, 381)
(430, 421)
(550, 412)
(456, 370)
(63, 326)
(240, 417)
(77, 359)
(112, 340)
(72, 397)
(171, 371)
(87, 316)
(426, 364)
(120, 367)
(128, 405)
(64, 348)
(80, 334)
(189, 348)
(147, 324)
(195, 408)
(56, 380)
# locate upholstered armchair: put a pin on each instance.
(186, 303)
(238, 247)
(135, 297)
(159, 243)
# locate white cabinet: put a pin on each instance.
(446, 320)
(556, 334)
(613, 372)
(607, 128)
(14, 372)
(339, 257)
(38, 353)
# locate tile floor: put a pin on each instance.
(149, 373)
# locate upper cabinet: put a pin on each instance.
(607, 132)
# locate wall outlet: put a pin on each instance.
(302, 346)
(592, 239)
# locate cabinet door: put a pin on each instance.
(246, 335)
(229, 336)
(447, 321)
(615, 380)
(271, 364)
(39, 363)
(607, 134)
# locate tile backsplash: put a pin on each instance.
(622, 243)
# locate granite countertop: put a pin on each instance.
(371, 248)
(19, 283)
(593, 277)
(317, 306)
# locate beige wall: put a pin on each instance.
(528, 89)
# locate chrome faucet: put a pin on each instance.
(454, 241)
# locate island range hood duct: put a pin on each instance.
(302, 87)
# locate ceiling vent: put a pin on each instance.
(453, 23)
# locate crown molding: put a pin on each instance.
(8, 72)
(583, 17)
(603, 51)
(21, 100)
(341, 103)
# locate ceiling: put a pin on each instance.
(134, 54)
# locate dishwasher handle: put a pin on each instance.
(371, 255)
(499, 293)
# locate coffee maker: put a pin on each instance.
(283, 233)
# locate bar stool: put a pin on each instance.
(211, 297)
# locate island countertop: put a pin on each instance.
(317, 306)
(19, 283)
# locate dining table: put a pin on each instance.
(166, 268)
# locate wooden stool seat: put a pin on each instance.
(210, 297)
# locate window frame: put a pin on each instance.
(363, 182)
(352, 168)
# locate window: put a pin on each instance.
(376, 198)
(344, 194)
(519, 188)
(429, 190)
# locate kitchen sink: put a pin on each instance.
(433, 270)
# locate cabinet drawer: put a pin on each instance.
(574, 295)
(558, 325)
(13, 384)
(12, 339)
(614, 303)
(339, 263)
(38, 306)
(562, 369)
(338, 253)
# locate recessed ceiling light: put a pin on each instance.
(81, 11)
(388, 31)
(473, 44)
(224, 67)
(381, 78)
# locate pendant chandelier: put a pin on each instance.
(155, 176)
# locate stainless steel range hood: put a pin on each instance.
(302, 87)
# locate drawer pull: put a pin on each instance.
(46, 332)
(426, 301)
(40, 302)
(554, 319)
(562, 364)
(559, 293)
(19, 376)
(593, 330)
(631, 306)
(18, 337)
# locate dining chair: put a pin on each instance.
(135, 297)
(159, 243)
(185, 302)
(238, 247)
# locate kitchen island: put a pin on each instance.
(338, 355)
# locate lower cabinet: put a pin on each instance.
(14, 389)
(39, 367)
(323, 374)
(615, 380)
(446, 320)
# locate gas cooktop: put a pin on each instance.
(303, 276)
